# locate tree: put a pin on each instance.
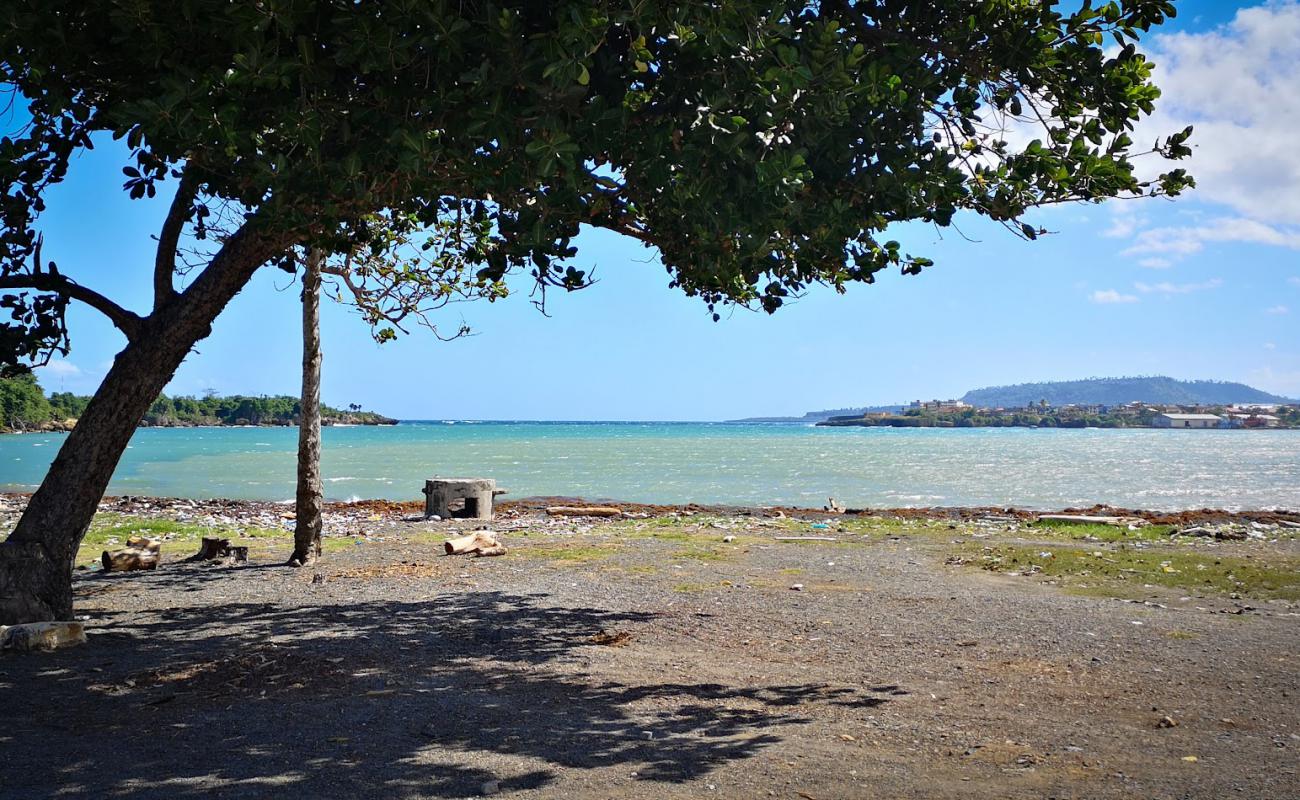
(759, 147)
(310, 497)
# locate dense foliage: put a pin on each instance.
(23, 406)
(758, 146)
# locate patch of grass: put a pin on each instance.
(689, 588)
(1121, 571)
(792, 571)
(1183, 635)
(1105, 533)
(180, 539)
(700, 554)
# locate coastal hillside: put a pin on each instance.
(25, 407)
(1117, 391)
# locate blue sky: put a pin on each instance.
(1207, 286)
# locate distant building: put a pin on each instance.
(1174, 420)
(1254, 421)
(941, 406)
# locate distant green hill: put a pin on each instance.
(1116, 391)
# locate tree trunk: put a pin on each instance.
(310, 497)
(36, 560)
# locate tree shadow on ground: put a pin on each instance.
(394, 699)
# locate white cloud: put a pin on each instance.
(1277, 310)
(1155, 263)
(1165, 287)
(1124, 222)
(1110, 296)
(1177, 241)
(1235, 85)
(1270, 346)
(1293, 281)
(60, 369)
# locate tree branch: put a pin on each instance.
(126, 321)
(164, 268)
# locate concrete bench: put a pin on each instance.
(460, 498)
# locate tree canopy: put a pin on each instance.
(760, 147)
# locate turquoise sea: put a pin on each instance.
(715, 463)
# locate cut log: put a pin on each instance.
(584, 511)
(481, 543)
(42, 635)
(140, 553)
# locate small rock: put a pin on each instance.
(318, 578)
(490, 787)
(796, 587)
(728, 539)
(1167, 722)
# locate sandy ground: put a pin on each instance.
(650, 658)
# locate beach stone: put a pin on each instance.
(42, 636)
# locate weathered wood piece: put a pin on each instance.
(460, 498)
(584, 511)
(42, 635)
(480, 543)
(140, 553)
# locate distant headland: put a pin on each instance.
(1159, 393)
(24, 406)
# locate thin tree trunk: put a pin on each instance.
(310, 497)
(36, 560)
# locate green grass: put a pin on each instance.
(110, 531)
(1124, 572)
(690, 588)
(700, 554)
(1105, 533)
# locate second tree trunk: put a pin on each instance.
(310, 495)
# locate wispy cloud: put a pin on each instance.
(1178, 241)
(1232, 84)
(1277, 310)
(1295, 281)
(1165, 287)
(1155, 263)
(60, 369)
(1110, 296)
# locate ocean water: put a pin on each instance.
(715, 463)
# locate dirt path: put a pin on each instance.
(648, 659)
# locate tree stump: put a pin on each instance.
(212, 549)
(140, 553)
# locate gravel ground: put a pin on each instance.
(648, 659)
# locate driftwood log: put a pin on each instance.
(477, 544)
(212, 548)
(584, 511)
(139, 553)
